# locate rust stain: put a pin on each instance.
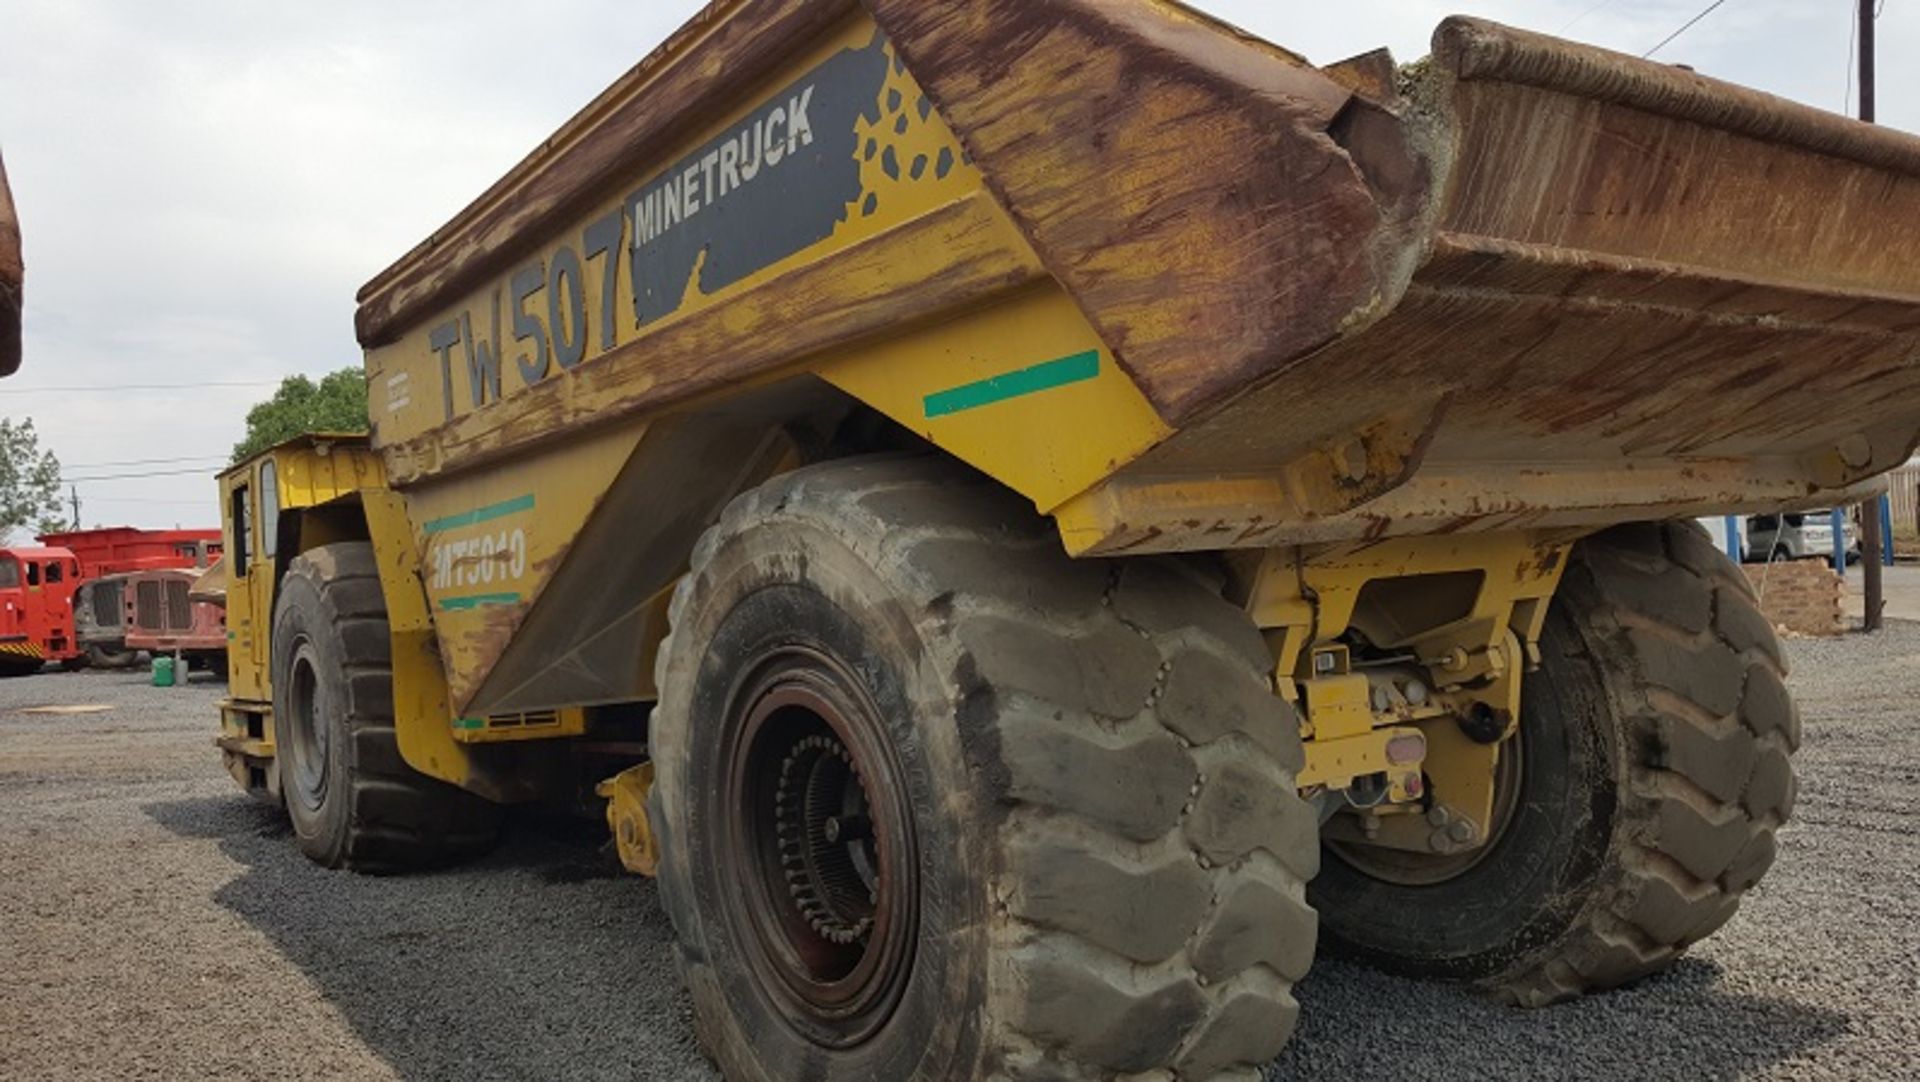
(1178, 180)
(12, 279)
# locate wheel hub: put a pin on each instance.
(826, 840)
(304, 735)
(821, 872)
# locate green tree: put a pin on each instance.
(338, 403)
(29, 481)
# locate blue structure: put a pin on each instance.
(1886, 530)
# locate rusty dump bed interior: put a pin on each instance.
(1522, 282)
(1597, 288)
(11, 275)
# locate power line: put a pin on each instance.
(139, 387)
(1648, 55)
(1571, 23)
(136, 476)
(1853, 38)
(147, 500)
(145, 462)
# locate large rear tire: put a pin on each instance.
(353, 800)
(937, 802)
(1653, 770)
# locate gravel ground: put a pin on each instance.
(156, 924)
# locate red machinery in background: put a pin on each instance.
(100, 608)
(36, 609)
(162, 618)
(113, 549)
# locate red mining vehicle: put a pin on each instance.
(36, 609)
(106, 555)
(163, 618)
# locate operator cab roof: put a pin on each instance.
(310, 439)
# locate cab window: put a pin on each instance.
(269, 510)
(241, 515)
(9, 574)
(55, 573)
(33, 574)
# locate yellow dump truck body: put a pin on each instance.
(1189, 294)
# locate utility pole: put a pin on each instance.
(1870, 511)
(1866, 60)
(75, 489)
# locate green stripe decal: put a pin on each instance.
(484, 514)
(478, 601)
(468, 725)
(1041, 377)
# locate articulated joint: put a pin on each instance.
(1405, 658)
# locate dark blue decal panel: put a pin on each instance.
(775, 184)
(772, 185)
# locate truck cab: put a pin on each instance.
(36, 608)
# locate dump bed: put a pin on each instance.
(1177, 286)
(12, 274)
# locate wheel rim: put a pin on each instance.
(1411, 869)
(820, 872)
(303, 738)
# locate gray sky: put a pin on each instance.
(204, 184)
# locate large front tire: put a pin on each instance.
(937, 802)
(1653, 773)
(353, 800)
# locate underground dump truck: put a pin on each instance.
(1027, 515)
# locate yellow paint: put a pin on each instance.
(1338, 761)
(481, 577)
(1465, 614)
(1047, 445)
(422, 710)
(633, 837)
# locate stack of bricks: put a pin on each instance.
(1801, 596)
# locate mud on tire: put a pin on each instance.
(353, 800)
(1656, 738)
(1109, 849)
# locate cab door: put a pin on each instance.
(249, 610)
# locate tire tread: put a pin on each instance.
(1708, 731)
(1067, 662)
(399, 819)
